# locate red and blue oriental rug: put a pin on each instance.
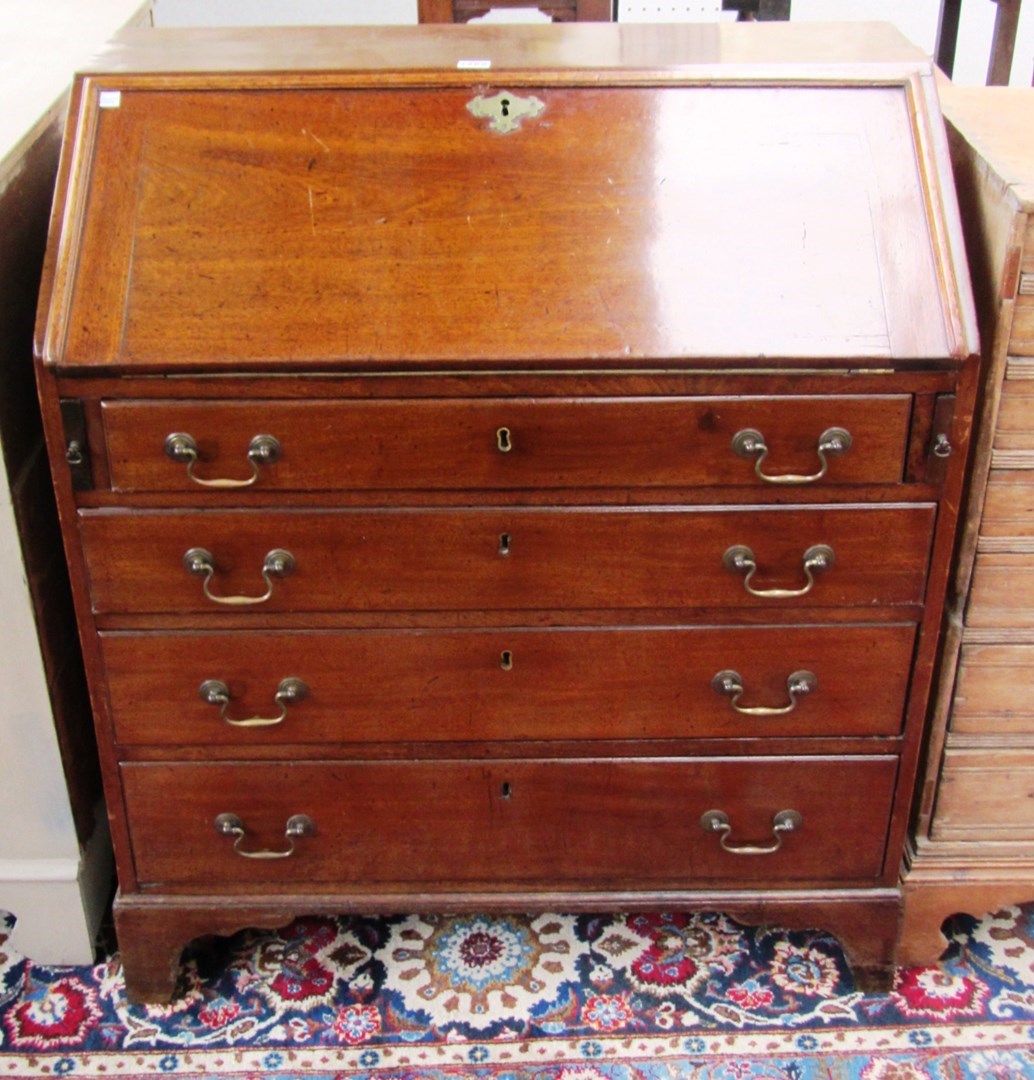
(549, 997)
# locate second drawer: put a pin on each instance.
(506, 559)
(237, 689)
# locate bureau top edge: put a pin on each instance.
(830, 50)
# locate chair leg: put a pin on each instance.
(445, 11)
(948, 35)
(594, 11)
(1007, 19)
(774, 11)
(434, 11)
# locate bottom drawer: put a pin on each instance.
(443, 825)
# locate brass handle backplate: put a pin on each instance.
(262, 450)
(277, 564)
(730, 683)
(717, 821)
(740, 560)
(298, 825)
(290, 690)
(750, 443)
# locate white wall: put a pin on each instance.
(56, 892)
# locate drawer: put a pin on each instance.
(1009, 505)
(1002, 591)
(507, 685)
(503, 443)
(503, 559)
(1021, 336)
(994, 691)
(502, 824)
(1014, 425)
(985, 795)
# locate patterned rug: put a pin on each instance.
(549, 997)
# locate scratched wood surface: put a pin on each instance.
(317, 226)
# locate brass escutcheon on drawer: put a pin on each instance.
(262, 450)
(278, 563)
(740, 560)
(751, 443)
(290, 690)
(717, 821)
(298, 825)
(730, 683)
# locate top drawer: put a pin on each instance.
(506, 443)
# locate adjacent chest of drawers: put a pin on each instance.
(972, 849)
(476, 498)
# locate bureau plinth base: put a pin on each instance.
(153, 931)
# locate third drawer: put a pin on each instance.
(245, 688)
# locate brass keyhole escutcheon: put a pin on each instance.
(503, 440)
(505, 111)
(506, 660)
(504, 543)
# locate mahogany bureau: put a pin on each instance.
(973, 848)
(507, 469)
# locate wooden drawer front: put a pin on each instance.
(413, 686)
(1002, 591)
(510, 443)
(994, 693)
(512, 559)
(628, 823)
(1014, 426)
(985, 795)
(1021, 337)
(1008, 505)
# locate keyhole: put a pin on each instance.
(505, 106)
(506, 792)
(506, 660)
(503, 440)
(504, 544)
